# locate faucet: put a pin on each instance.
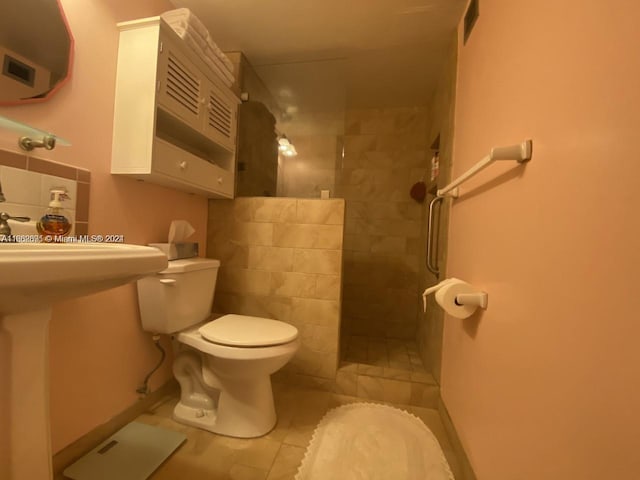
(5, 228)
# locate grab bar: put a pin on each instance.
(433, 267)
(520, 152)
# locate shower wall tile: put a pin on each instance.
(259, 209)
(328, 212)
(273, 259)
(229, 254)
(355, 144)
(328, 287)
(256, 233)
(312, 362)
(307, 236)
(369, 159)
(243, 280)
(402, 142)
(292, 284)
(386, 120)
(358, 241)
(317, 261)
(282, 258)
(386, 152)
(381, 244)
(255, 305)
(318, 338)
(310, 311)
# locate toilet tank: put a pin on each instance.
(178, 297)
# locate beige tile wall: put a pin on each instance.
(282, 258)
(385, 153)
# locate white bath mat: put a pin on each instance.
(364, 441)
(132, 453)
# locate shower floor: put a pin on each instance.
(386, 369)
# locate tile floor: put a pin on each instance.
(387, 370)
(379, 355)
(275, 456)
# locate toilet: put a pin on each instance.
(223, 366)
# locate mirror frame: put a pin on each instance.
(62, 82)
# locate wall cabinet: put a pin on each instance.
(174, 119)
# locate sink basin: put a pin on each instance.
(33, 275)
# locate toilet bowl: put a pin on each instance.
(223, 366)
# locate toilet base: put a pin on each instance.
(225, 389)
(245, 410)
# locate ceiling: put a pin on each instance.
(324, 55)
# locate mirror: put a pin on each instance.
(36, 50)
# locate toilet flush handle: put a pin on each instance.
(169, 282)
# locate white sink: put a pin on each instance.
(32, 277)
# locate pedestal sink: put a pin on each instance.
(33, 276)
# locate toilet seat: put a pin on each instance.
(246, 331)
(194, 339)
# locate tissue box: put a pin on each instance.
(176, 251)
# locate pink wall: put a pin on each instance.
(546, 383)
(99, 353)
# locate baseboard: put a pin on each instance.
(461, 455)
(92, 439)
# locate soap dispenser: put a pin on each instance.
(54, 223)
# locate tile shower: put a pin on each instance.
(385, 153)
(289, 258)
(370, 158)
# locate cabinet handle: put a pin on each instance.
(220, 180)
(183, 165)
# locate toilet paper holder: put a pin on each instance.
(479, 299)
(474, 299)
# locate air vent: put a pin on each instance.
(182, 85)
(220, 115)
(470, 18)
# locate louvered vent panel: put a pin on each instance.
(220, 115)
(182, 85)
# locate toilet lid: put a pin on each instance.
(245, 331)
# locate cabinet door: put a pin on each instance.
(220, 116)
(179, 86)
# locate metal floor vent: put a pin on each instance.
(132, 453)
